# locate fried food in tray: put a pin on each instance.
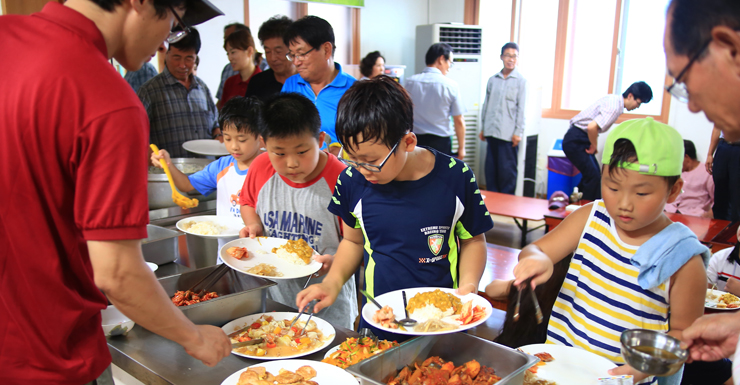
(257, 375)
(435, 370)
(187, 297)
(354, 350)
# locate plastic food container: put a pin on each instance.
(239, 295)
(509, 364)
(115, 323)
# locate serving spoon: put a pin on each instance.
(406, 322)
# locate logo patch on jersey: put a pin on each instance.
(435, 243)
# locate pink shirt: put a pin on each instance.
(698, 193)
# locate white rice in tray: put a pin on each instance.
(204, 228)
(430, 312)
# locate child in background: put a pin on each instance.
(633, 267)
(724, 269)
(416, 216)
(286, 193)
(241, 123)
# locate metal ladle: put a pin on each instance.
(406, 322)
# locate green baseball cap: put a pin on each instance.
(659, 147)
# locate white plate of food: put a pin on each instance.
(206, 147)
(569, 365)
(274, 258)
(721, 300)
(467, 311)
(318, 335)
(211, 226)
(325, 374)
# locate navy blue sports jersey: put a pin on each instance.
(411, 227)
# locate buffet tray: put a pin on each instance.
(239, 295)
(509, 364)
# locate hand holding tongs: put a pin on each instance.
(527, 284)
(305, 308)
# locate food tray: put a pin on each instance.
(239, 296)
(160, 246)
(459, 348)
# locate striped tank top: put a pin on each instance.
(600, 296)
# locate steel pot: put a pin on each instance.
(158, 188)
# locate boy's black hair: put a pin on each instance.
(368, 62)
(639, 90)
(314, 30)
(693, 21)
(275, 26)
(244, 113)
(689, 149)
(379, 109)
(191, 41)
(161, 7)
(624, 152)
(509, 45)
(437, 50)
(288, 115)
(734, 256)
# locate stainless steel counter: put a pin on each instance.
(156, 360)
(169, 216)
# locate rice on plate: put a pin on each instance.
(204, 227)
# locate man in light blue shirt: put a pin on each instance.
(310, 42)
(436, 99)
(503, 122)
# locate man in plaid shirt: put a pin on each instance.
(178, 103)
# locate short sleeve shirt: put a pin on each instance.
(436, 100)
(298, 210)
(604, 112)
(235, 86)
(177, 114)
(327, 99)
(263, 85)
(411, 227)
(73, 150)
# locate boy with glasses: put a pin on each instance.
(581, 140)
(286, 193)
(414, 216)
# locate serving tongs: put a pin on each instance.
(209, 280)
(309, 305)
(527, 284)
(178, 198)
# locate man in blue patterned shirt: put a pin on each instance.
(178, 103)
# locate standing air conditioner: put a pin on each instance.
(466, 44)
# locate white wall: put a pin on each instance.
(389, 26)
(694, 127)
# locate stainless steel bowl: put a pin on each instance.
(645, 350)
(159, 191)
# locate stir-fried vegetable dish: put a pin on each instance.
(354, 350)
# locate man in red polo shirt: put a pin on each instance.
(73, 166)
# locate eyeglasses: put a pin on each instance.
(507, 56)
(367, 166)
(299, 56)
(678, 88)
(176, 36)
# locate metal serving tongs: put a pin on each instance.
(210, 279)
(527, 284)
(305, 308)
(178, 198)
